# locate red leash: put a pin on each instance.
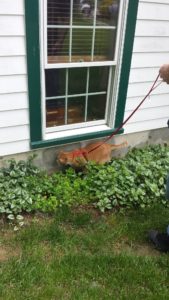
(81, 152)
(128, 118)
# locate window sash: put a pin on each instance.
(110, 105)
(67, 97)
(121, 16)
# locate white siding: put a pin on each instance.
(12, 7)
(12, 65)
(11, 25)
(151, 50)
(14, 121)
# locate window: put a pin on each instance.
(79, 32)
(75, 53)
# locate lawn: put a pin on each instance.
(84, 254)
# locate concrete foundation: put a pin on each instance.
(46, 158)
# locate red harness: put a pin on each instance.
(80, 152)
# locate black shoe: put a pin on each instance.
(160, 240)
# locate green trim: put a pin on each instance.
(34, 76)
(72, 139)
(33, 68)
(126, 60)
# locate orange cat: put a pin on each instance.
(79, 157)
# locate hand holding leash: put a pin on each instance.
(164, 73)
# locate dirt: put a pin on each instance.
(3, 255)
(6, 253)
(136, 249)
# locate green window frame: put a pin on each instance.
(34, 73)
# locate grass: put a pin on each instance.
(80, 254)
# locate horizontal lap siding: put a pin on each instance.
(150, 51)
(12, 46)
(12, 84)
(12, 7)
(11, 25)
(12, 65)
(14, 117)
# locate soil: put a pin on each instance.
(7, 253)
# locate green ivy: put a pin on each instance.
(61, 190)
(15, 196)
(138, 180)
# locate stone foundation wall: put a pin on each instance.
(46, 158)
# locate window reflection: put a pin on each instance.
(77, 80)
(58, 44)
(81, 45)
(55, 112)
(104, 44)
(107, 12)
(76, 110)
(58, 14)
(98, 79)
(96, 107)
(55, 82)
(71, 34)
(82, 12)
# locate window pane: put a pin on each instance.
(107, 12)
(81, 32)
(98, 79)
(55, 112)
(96, 107)
(83, 100)
(81, 44)
(76, 109)
(77, 81)
(104, 44)
(55, 82)
(58, 12)
(83, 12)
(58, 45)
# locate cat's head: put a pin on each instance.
(64, 158)
(68, 159)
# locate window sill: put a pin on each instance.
(82, 135)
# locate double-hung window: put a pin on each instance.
(81, 55)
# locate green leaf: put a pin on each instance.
(11, 217)
(161, 181)
(16, 228)
(19, 217)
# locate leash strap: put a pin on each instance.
(154, 86)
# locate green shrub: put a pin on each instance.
(138, 180)
(15, 196)
(62, 190)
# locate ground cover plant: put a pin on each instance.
(78, 240)
(138, 180)
(82, 254)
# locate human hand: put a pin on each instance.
(164, 73)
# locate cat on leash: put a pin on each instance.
(98, 152)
